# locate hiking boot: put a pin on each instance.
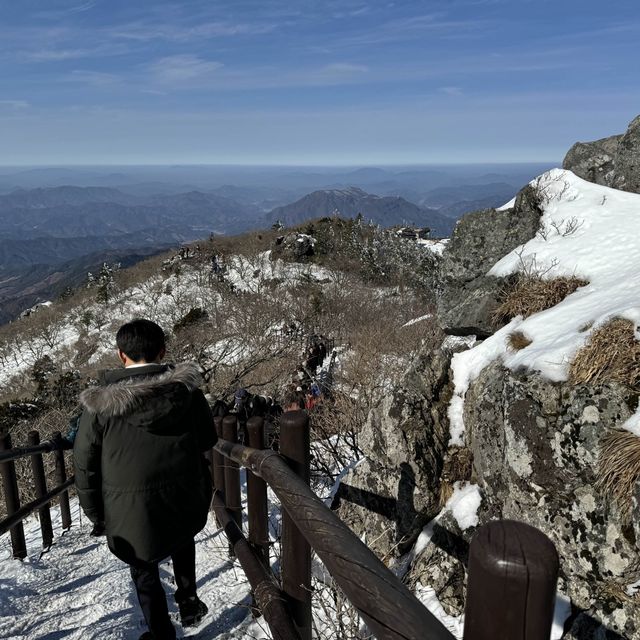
(192, 610)
(98, 530)
(147, 635)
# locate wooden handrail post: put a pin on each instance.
(218, 459)
(296, 552)
(257, 496)
(61, 477)
(12, 498)
(232, 496)
(40, 483)
(513, 570)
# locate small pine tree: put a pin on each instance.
(103, 282)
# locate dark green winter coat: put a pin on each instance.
(139, 459)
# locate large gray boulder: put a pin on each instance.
(535, 456)
(593, 161)
(468, 296)
(627, 161)
(612, 162)
(395, 491)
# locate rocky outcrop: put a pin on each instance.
(612, 162)
(535, 455)
(395, 491)
(294, 246)
(627, 160)
(468, 296)
(593, 161)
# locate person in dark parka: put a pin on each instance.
(140, 469)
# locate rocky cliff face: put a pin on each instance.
(468, 296)
(612, 162)
(531, 445)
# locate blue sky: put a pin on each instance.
(325, 82)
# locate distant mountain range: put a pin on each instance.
(387, 211)
(22, 287)
(57, 221)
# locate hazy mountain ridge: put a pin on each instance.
(384, 210)
(53, 216)
(21, 288)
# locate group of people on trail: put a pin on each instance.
(141, 473)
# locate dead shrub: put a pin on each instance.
(619, 469)
(531, 294)
(611, 354)
(518, 340)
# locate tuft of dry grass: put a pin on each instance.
(531, 294)
(619, 469)
(612, 354)
(518, 340)
(457, 467)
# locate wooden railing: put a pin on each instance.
(513, 567)
(15, 512)
(506, 557)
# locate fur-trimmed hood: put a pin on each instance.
(128, 393)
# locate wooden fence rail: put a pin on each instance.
(17, 513)
(508, 559)
(390, 610)
(513, 567)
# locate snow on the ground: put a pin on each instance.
(435, 246)
(164, 298)
(416, 320)
(464, 504)
(588, 231)
(79, 590)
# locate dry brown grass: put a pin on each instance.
(518, 340)
(612, 354)
(619, 469)
(531, 294)
(458, 466)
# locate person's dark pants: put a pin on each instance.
(151, 595)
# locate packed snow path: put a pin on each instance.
(79, 590)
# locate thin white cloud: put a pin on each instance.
(60, 13)
(344, 68)
(182, 69)
(94, 78)
(142, 31)
(15, 104)
(451, 91)
(55, 55)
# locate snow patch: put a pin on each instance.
(589, 231)
(464, 504)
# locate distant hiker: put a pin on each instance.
(140, 468)
(294, 400)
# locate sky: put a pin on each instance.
(325, 82)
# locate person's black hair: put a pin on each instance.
(141, 340)
(293, 396)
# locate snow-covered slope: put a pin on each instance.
(79, 591)
(590, 231)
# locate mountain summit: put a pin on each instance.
(351, 201)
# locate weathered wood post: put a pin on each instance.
(232, 495)
(12, 499)
(218, 460)
(257, 496)
(61, 477)
(513, 570)
(40, 482)
(296, 552)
